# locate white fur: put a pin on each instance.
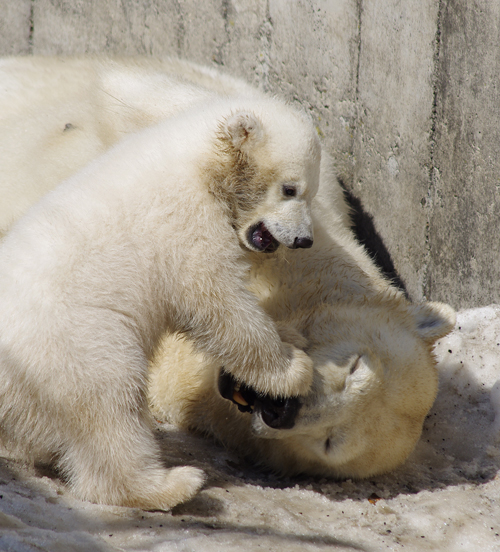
(374, 371)
(333, 293)
(57, 114)
(144, 241)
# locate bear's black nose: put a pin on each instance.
(278, 413)
(304, 243)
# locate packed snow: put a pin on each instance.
(445, 498)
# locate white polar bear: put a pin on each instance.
(57, 114)
(148, 239)
(375, 376)
(351, 424)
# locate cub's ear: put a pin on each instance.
(433, 320)
(243, 129)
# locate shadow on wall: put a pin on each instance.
(366, 234)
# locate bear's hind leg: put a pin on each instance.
(121, 465)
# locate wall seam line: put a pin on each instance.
(31, 22)
(431, 189)
(359, 5)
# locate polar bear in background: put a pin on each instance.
(146, 240)
(374, 372)
(57, 114)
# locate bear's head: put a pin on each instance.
(267, 175)
(375, 381)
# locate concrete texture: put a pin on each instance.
(464, 240)
(404, 94)
(392, 147)
(15, 27)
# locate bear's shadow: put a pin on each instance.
(363, 227)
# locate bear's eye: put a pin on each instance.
(289, 190)
(354, 367)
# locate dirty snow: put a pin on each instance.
(445, 498)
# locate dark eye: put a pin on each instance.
(327, 445)
(289, 190)
(355, 365)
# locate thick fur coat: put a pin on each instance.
(149, 239)
(374, 375)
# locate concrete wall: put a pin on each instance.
(406, 96)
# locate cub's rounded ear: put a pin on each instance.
(243, 129)
(433, 320)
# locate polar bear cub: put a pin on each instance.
(150, 238)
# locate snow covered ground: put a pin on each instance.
(445, 498)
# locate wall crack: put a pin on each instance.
(430, 200)
(32, 27)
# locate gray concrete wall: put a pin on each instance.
(406, 96)
(464, 241)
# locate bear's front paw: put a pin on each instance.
(277, 413)
(289, 375)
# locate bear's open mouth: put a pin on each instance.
(260, 237)
(276, 413)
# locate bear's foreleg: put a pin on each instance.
(232, 327)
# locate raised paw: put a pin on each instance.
(291, 378)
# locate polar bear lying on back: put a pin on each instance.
(375, 376)
(148, 239)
